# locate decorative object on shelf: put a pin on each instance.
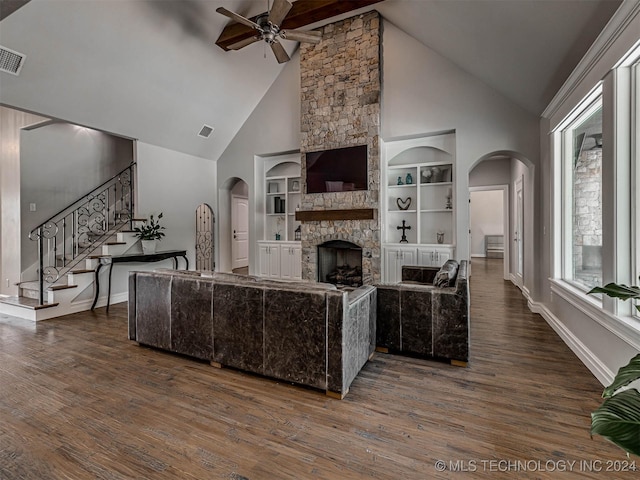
(404, 228)
(426, 175)
(408, 179)
(403, 204)
(278, 205)
(440, 237)
(449, 205)
(279, 222)
(150, 233)
(295, 186)
(273, 187)
(436, 174)
(400, 182)
(297, 233)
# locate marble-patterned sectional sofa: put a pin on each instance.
(306, 333)
(419, 319)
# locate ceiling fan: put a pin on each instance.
(268, 28)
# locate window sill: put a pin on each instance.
(625, 327)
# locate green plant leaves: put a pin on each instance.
(150, 230)
(618, 420)
(625, 376)
(615, 290)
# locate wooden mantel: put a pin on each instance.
(345, 214)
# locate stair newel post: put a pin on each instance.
(41, 265)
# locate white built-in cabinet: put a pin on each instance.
(281, 260)
(279, 253)
(418, 188)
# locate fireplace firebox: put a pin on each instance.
(340, 263)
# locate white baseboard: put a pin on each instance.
(478, 255)
(604, 375)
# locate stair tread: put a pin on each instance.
(25, 302)
(61, 287)
(82, 270)
(115, 243)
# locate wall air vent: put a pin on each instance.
(205, 131)
(11, 61)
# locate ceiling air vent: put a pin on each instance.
(11, 61)
(205, 131)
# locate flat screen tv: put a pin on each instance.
(337, 170)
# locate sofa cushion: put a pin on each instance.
(446, 276)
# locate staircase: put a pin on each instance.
(70, 245)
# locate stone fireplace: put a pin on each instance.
(340, 263)
(340, 107)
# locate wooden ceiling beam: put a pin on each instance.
(304, 12)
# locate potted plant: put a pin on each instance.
(150, 233)
(618, 418)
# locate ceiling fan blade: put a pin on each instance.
(300, 36)
(237, 18)
(279, 10)
(278, 50)
(245, 42)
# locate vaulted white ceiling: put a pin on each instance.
(149, 69)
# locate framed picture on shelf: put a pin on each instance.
(273, 187)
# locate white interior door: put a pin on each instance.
(239, 231)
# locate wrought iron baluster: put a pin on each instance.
(64, 241)
(107, 209)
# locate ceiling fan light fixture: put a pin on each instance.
(268, 28)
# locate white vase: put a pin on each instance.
(148, 246)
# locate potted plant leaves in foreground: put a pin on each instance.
(149, 233)
(618, 418)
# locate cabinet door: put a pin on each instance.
(426, 258)
(395, 258)
(274, 261)
(441, 256)
(296, 262)
(263, 260)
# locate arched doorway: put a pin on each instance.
(510, 178)
(234, 226)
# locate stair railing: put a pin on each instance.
(78, 229)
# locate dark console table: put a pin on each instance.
(131, 258)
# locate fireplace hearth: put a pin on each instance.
(340, 263)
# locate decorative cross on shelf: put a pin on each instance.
(404, 228)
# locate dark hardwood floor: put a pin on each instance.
(78, 400)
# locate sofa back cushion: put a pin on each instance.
(446, 276)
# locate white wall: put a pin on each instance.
(273, 127)
(424, 92)
(11, 124)
(487, 218)
(175, 184)
(491, 172)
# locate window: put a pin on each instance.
(582, 189)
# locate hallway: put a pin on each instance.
(78, 400)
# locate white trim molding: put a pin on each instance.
(604, 375)
(625, 328)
